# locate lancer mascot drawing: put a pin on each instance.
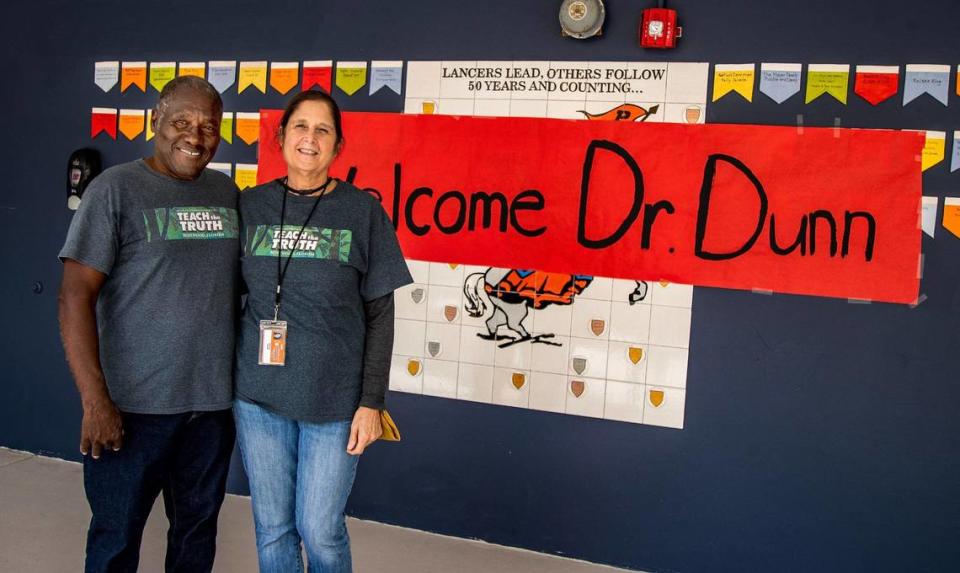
(505, 297)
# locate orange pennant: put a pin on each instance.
(131, 123)
(133, 74)
(247, 127)
(284, 75)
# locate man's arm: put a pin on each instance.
(102, 425)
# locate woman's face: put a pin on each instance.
(309, 142)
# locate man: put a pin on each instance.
(147, 309)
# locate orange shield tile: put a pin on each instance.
(597, 326)
(413, 367)
(518, 379)
(635, 354)
(656, 398)
(577, 387)
(450, 312)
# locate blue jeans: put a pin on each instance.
(186, 456)
(300, 477)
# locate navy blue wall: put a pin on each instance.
(820, 435)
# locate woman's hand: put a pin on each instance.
(364, 431)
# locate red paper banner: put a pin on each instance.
(317, 76)
(876, 87)
(830, 212)
(103, 119)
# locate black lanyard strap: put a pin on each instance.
(283, 213)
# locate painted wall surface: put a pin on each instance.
(819, 435)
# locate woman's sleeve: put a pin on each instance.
(377, 351)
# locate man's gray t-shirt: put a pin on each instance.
(347, 255)
(166, 312)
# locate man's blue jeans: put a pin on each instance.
(300, 477)
(186, 456)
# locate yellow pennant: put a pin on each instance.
(149, 124)
(198, 69)
(733, 77)
(133, 74)
(951, 215)
(226, 127)
(284, 75)
(131, 123)
(833, 79)
(248, 127)
(934, 147)
(656, 398)
(161, 73)
(351, 76)
(252, 74)
(245, 175)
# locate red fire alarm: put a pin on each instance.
(658, 27)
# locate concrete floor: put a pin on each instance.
(44, 516)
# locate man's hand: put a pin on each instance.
(364, 431)
(102, 427)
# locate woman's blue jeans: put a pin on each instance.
(300, 477)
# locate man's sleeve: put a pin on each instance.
(386, 267)
(93, 239)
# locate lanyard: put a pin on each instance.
(283, 212)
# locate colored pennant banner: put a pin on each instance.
(951, 215)
(103, 119)
(317, 73)
(284, 75)
(351, 76)
(780, 81)
(133, 74)
(733, 77)
(833, 79)
(131, 123)
(224, 168)
(736, 206)
(149, 126)
(248, 127)
(928, 215)
(922, 79)
(161, 73)
(385, 74)
(958, 80)
(226, 127)
(245, 175)
(876, 84)
(198, 69)
(253, 74)
(106, 74)
(934, 148)
(222, 74)
(955, 156)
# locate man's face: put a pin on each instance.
(187, 134)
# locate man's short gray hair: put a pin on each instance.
(187, 82)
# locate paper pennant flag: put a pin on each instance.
(131, 123)
(198, 69)
(955, 156)
(226, 127)
(161, 73)
(876, 84)
(958, 80)
(833, 79)
(928, 215)
(253, 74)
(245, 175)
(106, 74)
(351, 76)
(933, 149)
(103, 119)
(149, 126)
(921, 79)
(248, 127)
(133, 74)
(951, 215)
(385, 73)
(317, 73)
(284, 75)
(780, 81)
(224, 168)
(222, 74)
(733, 77)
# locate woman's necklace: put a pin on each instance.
(305, 192)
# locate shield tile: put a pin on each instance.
(577, 387)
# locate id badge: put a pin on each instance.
(273, 342)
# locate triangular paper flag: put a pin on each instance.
(833, 79)
(131, 123)
(253, 74)
(133, 74)
(103, 119)
(149, 125)
(106, 74)
(926, 79)
(779, 81)
(161, 73)
(222, 74)
(245, 175)
(733, 77)
(284, 75)
(351, 76)
(224, 168)
(951, 215)
(198, 69)
(934, 148)
(248, 127)
(955, 156)
(226, 127)
(317, 73)
(385, 73)
(928, 215)
(876, 83)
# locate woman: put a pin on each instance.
(320, 263)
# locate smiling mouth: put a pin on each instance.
(188, 152)
(305, 151)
